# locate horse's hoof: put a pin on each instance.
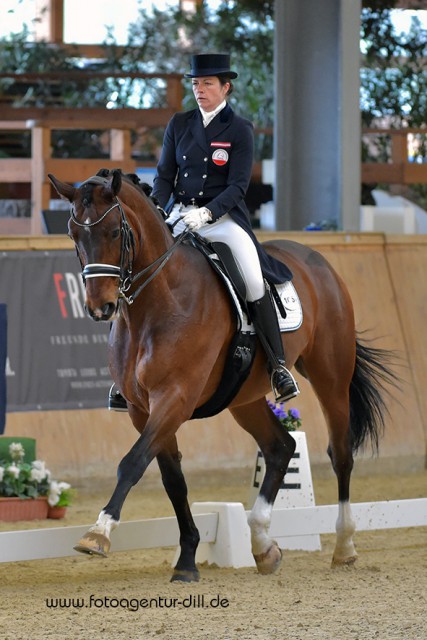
(185, 576)
(344, 562)
(269, 561)
(94, 544)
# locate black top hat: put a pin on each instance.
(210, 64)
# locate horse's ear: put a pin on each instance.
(115, 181)
(65, 190)
(103, 173)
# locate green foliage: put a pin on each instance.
(18, 55)
(394, 72)
(393, 84)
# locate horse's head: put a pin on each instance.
(103, 239)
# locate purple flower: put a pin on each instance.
(295, 414)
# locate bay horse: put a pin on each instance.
(172, 323)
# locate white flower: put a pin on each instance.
(37, 474)
(54, 493)
(13, 470)
(16, 451)
(1, 473)
(64, 486)
(55, 490)
(39, 471)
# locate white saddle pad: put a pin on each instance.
(293, 308)
(288, 296)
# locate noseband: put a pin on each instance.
(127, 251)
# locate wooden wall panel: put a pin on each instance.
(407, 262)
(366, 272)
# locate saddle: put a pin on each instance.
(243, 345)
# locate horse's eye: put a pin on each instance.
(115, 234)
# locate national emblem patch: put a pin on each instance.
(220, 157)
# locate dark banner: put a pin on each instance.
(56, 355)
(3, 350)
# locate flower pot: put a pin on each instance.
(56, 513)
(15, 509)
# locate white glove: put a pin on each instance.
(196, 218)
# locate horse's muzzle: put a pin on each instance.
(102, 314)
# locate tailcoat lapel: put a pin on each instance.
(198, 130)
(218, 124)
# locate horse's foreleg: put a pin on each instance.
(277, 447)
(97, 539)
(174, 482)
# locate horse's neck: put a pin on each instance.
(152, 238)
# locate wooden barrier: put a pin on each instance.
(225, 535)
(385, 279)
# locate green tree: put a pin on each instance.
(393, 84)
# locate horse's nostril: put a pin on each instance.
(108, 309)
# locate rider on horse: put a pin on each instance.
(201, 181)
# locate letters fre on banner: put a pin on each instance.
(56, 355)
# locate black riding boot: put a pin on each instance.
(116, 401)
(264, 317)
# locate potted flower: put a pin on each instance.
(59, 498)
(290, 418)
(25, 487)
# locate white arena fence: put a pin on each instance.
(225, 535)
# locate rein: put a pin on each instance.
(163, 259)
(127, 250)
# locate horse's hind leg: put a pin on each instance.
(331, 382)
(339, 451)
(277, 447)
(169, 461)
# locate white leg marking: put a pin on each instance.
(259, 521)
(345, 528)
(104, 525)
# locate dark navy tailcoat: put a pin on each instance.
(213, 166)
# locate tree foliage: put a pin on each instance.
(394, 71)
(393, 85)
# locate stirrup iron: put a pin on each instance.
(116, 402)
(288, 387)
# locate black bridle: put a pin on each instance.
(127, 253)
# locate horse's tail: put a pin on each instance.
(367, 389)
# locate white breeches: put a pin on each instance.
(244, 251)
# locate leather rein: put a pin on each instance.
(127, 253)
